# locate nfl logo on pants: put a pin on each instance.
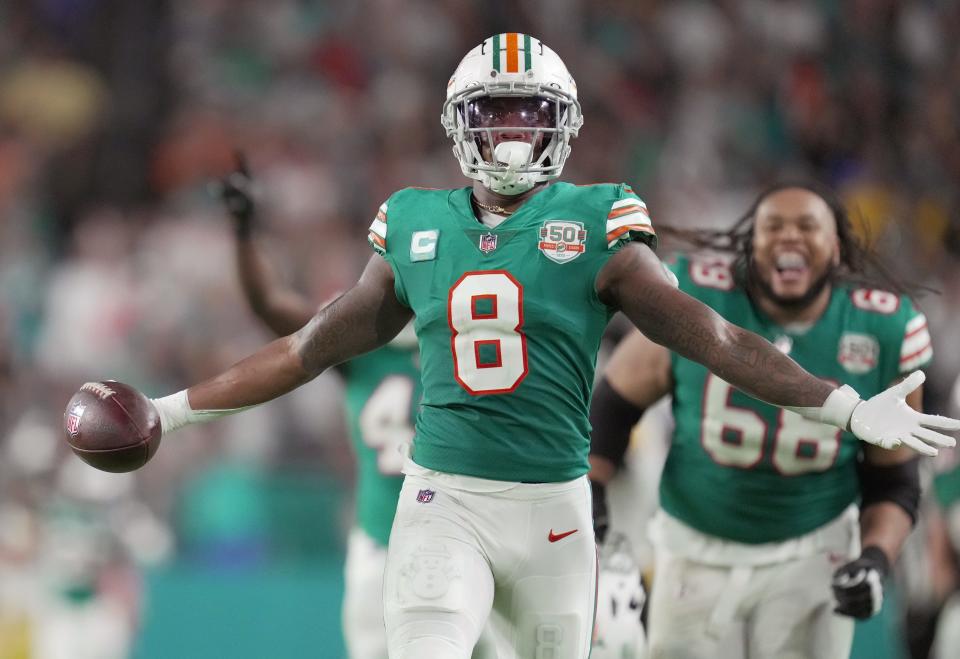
(425, 496)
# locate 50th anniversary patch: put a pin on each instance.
(562, 240)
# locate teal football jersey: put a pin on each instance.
(382, 396)
(508, 322)
(750, 472)
(946, 487)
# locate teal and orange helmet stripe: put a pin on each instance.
(507, 49)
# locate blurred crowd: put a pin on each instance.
(115, 257)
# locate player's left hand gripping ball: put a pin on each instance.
(112, 426)
(858, 585)
(887, 421)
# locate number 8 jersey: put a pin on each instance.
(508, 321)
(753, 473)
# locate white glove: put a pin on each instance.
(885, 420)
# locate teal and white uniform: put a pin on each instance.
(750, 485)
(382, 395)
(494, 515)
(747, 471)
(508, 322)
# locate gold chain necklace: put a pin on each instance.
(499, 210)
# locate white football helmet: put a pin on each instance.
(620, 596)
(525, 143)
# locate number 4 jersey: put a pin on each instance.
(382, 392)
(749, 472)
(508, 322)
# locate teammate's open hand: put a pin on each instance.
(887, 421)
(858, 585)
(236, 192)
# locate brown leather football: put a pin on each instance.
(112, 426)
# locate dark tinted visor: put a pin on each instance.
(512, 111)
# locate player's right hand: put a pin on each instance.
(858, 585)
(887, 421)
(236, 192)
(601, 519)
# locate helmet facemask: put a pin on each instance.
(511, 136)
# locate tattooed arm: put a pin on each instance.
(365, 317)
(634, 282)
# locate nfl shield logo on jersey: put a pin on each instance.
(73, 419)
(858, 353)
(488, 243)
(562, 240)
(425, 496)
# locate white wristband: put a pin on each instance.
(836, 409)
(175, 412)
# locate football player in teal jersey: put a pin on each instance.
(382, 393)
(759, 552)
(510, 283)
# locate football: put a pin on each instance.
(112, 426)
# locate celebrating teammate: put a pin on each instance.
(511, 282)
(382, 394)
(759, 505)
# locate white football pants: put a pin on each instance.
(767, 610)
(363, 628)
(467, 550)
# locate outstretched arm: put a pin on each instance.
(365, 317)
(634, 281)
(283, 310)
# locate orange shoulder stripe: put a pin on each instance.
(626, 210)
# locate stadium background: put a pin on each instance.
(115, 259)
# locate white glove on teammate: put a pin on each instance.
(885, 420)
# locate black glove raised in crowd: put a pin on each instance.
(858, 585)
(236, 193)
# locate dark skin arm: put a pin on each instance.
(365, 317)
(633, 281)
(281, 309)
(639, 371)
(885, 524)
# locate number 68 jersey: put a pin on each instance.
(753, 473)
(508, 321)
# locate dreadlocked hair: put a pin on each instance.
(860, 266)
